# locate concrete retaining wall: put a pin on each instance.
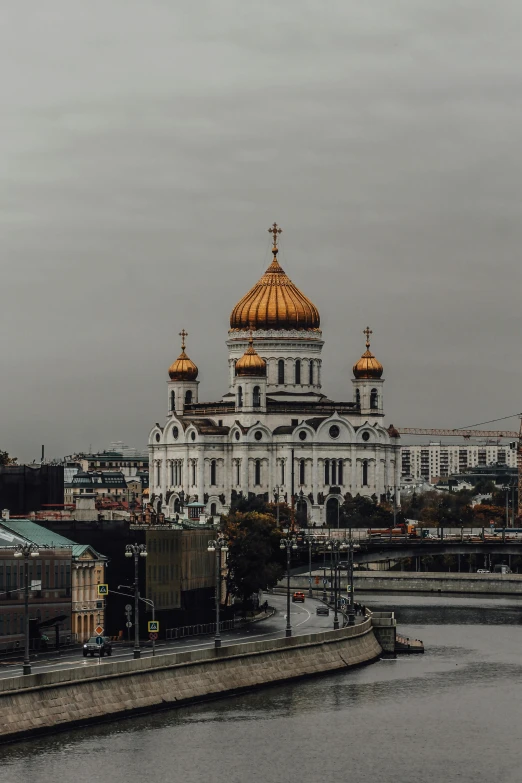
(430, 582)
(54, 700)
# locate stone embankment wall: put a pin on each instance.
(54, 700)
(423, 582)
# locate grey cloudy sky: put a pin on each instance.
(146, 147)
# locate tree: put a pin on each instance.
(254, 555)
(5, 459)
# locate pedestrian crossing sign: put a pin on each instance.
(103, 589)
(153, 626)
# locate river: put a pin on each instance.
(452, 714)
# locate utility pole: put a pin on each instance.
(136, 551)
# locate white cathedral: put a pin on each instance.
(274, 434)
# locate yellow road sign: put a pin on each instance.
(153, 626)
(103, 589)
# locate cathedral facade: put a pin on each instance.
(274, 433)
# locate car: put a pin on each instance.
(322, 609)
(92, 647)
(298, 597)
(483, 571)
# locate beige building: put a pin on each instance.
(88, 609)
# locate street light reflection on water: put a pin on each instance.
(451, 714)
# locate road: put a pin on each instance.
(303, 619)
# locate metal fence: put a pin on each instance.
(202, 629)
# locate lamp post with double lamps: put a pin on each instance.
(26, 551)
(288, 544)
(218, 546)
(136, 551)
(335, 545)
(310, 540)
(276, 501)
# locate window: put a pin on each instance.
(193, 472)
(327, 471)
(340, 473)
(172, 401)
(365, 473)
(374, 399)
(358, 398)
(282, 471)
(258, 435)
(172, 472)
(175, 433)
(334, 431)
(298, 372)
(213, 473)
(301, 471)
(239, 396)
(47, 575)
(188, 398)
(158, 473)
(281, 371)
(257, 472)
(311, 373)
(302, 435)
(334, 471)
(213, 509)
(365, 436)
(257, 396)
(237, 472)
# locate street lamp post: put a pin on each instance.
(26, 551)
(310, 540)
(335, 545)
(136, 551)
(288, 544)
(276, 500)
(218, 545)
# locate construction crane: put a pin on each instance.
(471, 433)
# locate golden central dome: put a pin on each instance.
(251, 363)
(368, 366)
(183, 369)
(275, 303)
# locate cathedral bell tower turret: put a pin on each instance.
(250, 381)
(368, 383)
(183, 386)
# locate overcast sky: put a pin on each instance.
(146, 147)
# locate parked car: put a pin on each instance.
(483, 571)
(92, 647)
(322, 609)
(298, 597)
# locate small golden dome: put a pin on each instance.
(251, 364)
(275, 302)
(368, 366)
(183, 369)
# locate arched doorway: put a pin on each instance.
(301, 510)
(332, 512)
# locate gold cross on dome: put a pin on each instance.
(275, 230)
(183, 334)
(367, 332)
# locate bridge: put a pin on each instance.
(375, 551)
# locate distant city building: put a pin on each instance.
(107, 486)
(26, 488)
(76, 571)
(501, 475)
(436, 460)
(118, 457)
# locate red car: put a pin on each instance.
(298, 597)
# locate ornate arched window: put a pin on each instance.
(358, 398)
(340, 476)
(311, 373)
(365, 473)
(327, 471)
(257, 396)
(281, 371)
(257, 471)
(172, 401)
(213, 481)
(298, 372)
(302, 471)
(334, 471)
(188, 397)
(374, 399)
(213, 509)
(239, 396)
